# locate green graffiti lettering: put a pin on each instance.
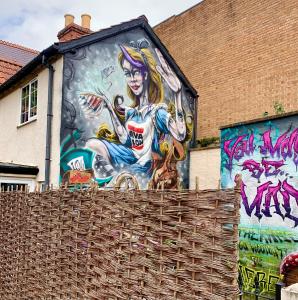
(250, 276)
(262, 280)
(272, 280)
(267, 280)
(244, 246)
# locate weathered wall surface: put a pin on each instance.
(266, 156)
(240, 55)
(25, 144)
(126, 117)
(205, 166)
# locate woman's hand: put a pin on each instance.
(167, 73)
(93, 104)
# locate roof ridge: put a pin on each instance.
(141, 17)
(74, 25)
(19, 46)
(10, 61)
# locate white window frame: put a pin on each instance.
(30, 119)
(17, 180)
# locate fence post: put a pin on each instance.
(257, 286)
(278, 286)
(240, 283)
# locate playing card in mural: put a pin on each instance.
(126, 115)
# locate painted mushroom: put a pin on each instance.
(289, 262)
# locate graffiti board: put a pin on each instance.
(265, 154)
(126, 117)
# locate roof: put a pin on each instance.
(7, 69)
(20, 54)
(69, 46)
(12, 58)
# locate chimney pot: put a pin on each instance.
(68, 19)
(86, 20)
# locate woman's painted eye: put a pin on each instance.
(136, 72)
(127, 74)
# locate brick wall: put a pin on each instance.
(240, 55)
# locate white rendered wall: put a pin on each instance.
(205, 165)
(26, 144)
(57, 102)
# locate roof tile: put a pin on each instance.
(7, 69)
(12, 58)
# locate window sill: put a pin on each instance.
(28, 122)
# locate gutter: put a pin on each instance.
(49, 120)
(18, 169)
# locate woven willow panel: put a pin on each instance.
(112, 245)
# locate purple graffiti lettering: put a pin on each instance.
(291, 143)
(267, 144)
(256, 204)
(238, 149)
(272, 167)
(285, 146)
(253, 167)
(270, 193)
(291, 192)
(286, 204)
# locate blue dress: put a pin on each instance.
(145, 127)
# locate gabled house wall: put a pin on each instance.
(83, 70)
(25, 144)
(151, 153)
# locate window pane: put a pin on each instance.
(25, 91)
(29, 101)
(33, 99)
(24, 117)
(34, 86)
(33, 111)
(25, 104)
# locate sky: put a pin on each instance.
(35, 23)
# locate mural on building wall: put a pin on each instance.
(126, 118)
(266, 156)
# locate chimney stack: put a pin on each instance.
(68, 19)
(85, 21)
(72, 30)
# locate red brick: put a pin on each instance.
(241, 56)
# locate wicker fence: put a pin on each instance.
(108, 245)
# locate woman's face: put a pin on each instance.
(134, 77)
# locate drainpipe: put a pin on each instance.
(49, 120)
(196, 123)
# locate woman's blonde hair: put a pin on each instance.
(145, 57)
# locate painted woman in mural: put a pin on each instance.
(140, 129)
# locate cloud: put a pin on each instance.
(35, 23)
